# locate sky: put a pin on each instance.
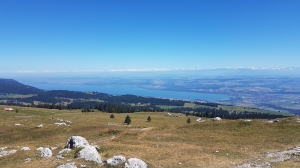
(100, 35)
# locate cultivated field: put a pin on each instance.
(163, 142)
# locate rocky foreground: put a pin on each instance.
(86, 152)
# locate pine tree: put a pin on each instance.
(149, 119)
(112, 116)
(127, 120)
(188, 120)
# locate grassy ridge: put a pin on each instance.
(163, 142)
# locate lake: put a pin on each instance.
(122, 90)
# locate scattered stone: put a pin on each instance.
(45, 152)
(5, 153)
(61, 124)
(68, 121)
(64, 150)
(17, 124)
(3, 148)
(247, 120)
(27, 160)
(89, 153)
(53, 148)
(272, 157)
(116, 160)
(40, 126)
(25, 148)
(200, 120)
(135, 163)
(217, 119)
(59, 155)
(79, 142)
(67, 165)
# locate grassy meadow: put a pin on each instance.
(163, 142)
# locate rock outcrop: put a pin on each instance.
(89, 153)
(45, 152)
(116, 160)
(79, 142)
(25, 149)
(135, 163)
(67, 165)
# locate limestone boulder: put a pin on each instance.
(89, 153)
(45, 152)
(135, 163)
(116, 160)
(79, 142)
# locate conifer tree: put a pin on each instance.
(112, 116)
(188, 120)
(127, 120)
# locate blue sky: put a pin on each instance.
(73, 35)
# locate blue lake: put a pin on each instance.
(122, 90)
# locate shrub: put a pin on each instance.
(149, 119)
(188, 120)
(112, 116)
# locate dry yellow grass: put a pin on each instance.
(163, 142)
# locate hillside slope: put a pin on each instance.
(10, 86)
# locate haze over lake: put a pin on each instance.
(122, 90)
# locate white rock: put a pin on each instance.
(59, 155)
(5, 153)
(53, 148)
(116, 160)
(25, 148)
(217, 119)
(13, 151)
(61, 124)
(67, 165)
(40, 148)
(27, 160)
(40, 126)
(79, 142)
(17, 124)
(135, 163)
(89, 153)
(45, 152)
(64, 150)
(68, 121)
(3, 148)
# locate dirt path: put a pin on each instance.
(145, 130)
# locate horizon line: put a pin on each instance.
(149, 70)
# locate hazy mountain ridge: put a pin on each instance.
(10, 86)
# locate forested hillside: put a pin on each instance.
(12, 93)
(10, 86)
